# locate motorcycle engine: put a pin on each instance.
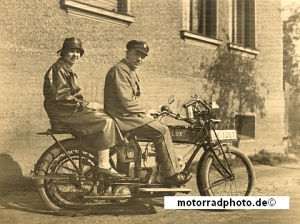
(181, 162)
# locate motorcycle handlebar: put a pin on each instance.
(176, 116)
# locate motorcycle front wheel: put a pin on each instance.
(68, 178)
(235, 177)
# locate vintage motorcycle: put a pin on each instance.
(66, 170)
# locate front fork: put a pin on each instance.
(223, 167)
(211, 148)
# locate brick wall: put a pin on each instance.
(34, 31)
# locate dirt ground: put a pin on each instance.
(27, 207)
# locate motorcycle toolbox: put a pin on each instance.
(184, 133)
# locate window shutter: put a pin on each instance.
(111, 5)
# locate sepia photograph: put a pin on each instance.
(150, 111)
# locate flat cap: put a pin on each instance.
(141, 46)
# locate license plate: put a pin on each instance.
(223, 135)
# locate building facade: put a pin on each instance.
(182, 35)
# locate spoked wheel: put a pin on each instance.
(69, 177)
(237, 179)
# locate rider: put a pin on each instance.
(121, 93)
(65, 105)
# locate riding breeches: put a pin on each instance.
(160, 135)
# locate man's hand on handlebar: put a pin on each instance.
(153, 114)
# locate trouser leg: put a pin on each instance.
(160, 135)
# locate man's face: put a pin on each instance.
(71, 56)
(135, 58)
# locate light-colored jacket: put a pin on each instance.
(121, 94)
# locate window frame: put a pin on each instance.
(95, 12)
(190, 32)
(205, 24)
(236, 45)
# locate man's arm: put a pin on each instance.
(125, 91)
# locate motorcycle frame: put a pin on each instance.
(205, 142)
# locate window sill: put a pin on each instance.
(244, 51)
(197, 39)
(77, 8)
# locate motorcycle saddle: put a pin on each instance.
(59, 128)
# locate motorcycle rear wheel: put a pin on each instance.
(68, 191)
(212, 180)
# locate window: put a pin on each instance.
(204, 17)
(243, 22)
(113, 5)
(245, 126)
(200, 23)
(112, 11)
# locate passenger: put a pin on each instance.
(64, 104)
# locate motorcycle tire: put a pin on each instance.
(212, 180)
(68, 191)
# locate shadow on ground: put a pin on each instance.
(10, 174)
(30, 202)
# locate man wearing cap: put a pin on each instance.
(66, 108)
(121, 94)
